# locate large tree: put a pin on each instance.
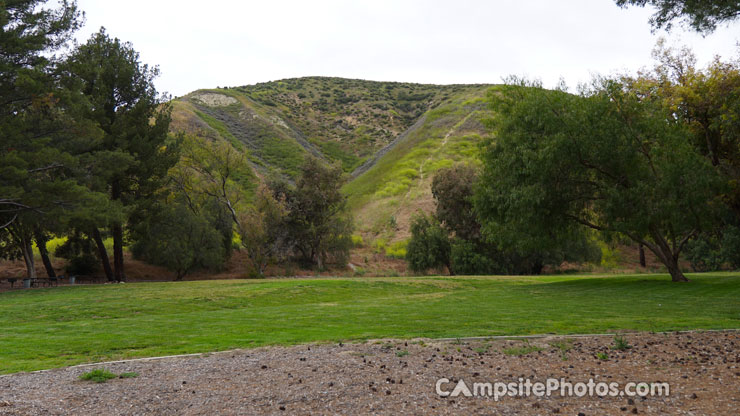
(605, 159)
(119, 96)
(701, 15)
(38, 167)
(30, 34)
(706, 100)
(262, 230)
(319, 227)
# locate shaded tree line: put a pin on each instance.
(86, 153)
(83, 135)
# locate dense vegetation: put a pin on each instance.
(87, 154)
(510, 179)
(701, 15)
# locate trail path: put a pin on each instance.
(445, 139)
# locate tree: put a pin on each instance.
(120, 98)
(706, 100)
(213, 170)
(605, 159)
(429, 247)
(319, 227)
(262, 229)
(34, 185)
(180, 240)
(700, 15)
(470, 251)
(452, 189)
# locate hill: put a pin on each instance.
(389, 137)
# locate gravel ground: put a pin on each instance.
(397, 377)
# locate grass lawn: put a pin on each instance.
(69, 325)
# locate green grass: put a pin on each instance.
(518, 351)
(99, 375)
(68, 325)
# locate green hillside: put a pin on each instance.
(389, 137)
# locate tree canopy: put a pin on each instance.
(606, 159)
(116, 93)
(701, 15)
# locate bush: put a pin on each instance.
(467, 258)
(715, 251)
(82, 265)
(357, 241)
(180, 240)
(397, 250)
(429, 247)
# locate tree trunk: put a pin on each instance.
(663, 250)
(117, 231)
(675, 271)
(28, 258)
(103, 254)
(41, 241)
(642, 256)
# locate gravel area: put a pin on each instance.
(398, 377)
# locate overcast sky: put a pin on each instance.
(204, 44)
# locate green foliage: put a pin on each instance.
(131, 154)
(318, 227)
(620, 343)
(397, 250)
(716, 250)
(609, 256)
(527, 348)
(129, 375)
(482, 350)
(452, 189)
(181, 240)
(83, 265)
(99, 375)
(429, 247)
(471, 258)
(335, 151)
(379, 245)
(602, 356)
(402, 353)
(701, 15)
(470, 252)
(263, 230)
(605, 159)
(357, 241)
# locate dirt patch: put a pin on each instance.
(214, 100)
(398, 377)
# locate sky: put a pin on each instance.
(216, 43)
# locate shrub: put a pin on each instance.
(84, 264)
(379, 245)
(429, 247)
(357, 241)
(620, 343)
(466, 258)
(397, 250)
